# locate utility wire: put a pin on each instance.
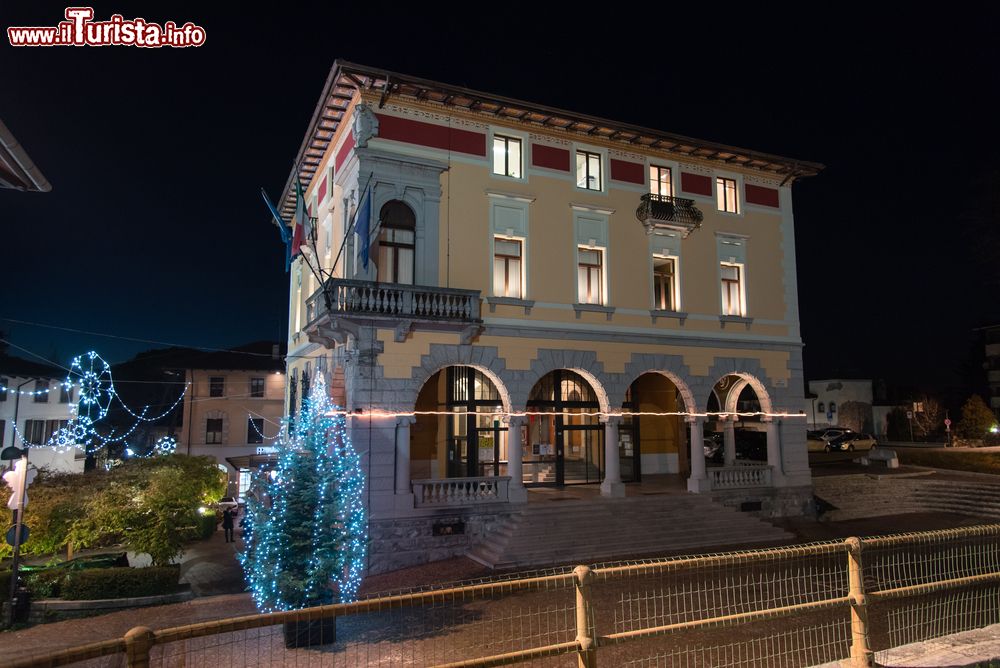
(139, 340)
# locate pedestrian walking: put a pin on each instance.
(227, 523)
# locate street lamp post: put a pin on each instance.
(18, 509)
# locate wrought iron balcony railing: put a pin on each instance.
(667, 212)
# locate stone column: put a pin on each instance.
(612, 485)
(774, 450)
(698, 482)
(404, 492)
(516, 493)
(729, 440)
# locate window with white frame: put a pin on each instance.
(665, 283)
(507, 265)
(213, 431)
(659, 181)
(727, 195)
(396, 243)
(507, 156)
(42, 391)
(590, 275)
(588, 170)
(732, 289)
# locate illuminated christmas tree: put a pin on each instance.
(306, 529)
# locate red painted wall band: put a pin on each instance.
(345, 149)
(629, 172)
(550, 157)
(434, 136)
(696, 184)
(761, 195)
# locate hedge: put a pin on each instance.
(45, 584)
(208, 524)
(95, 583)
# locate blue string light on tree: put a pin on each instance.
(306, 529)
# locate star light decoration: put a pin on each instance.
(306, 529)
(97, 392)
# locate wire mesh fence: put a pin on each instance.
(790, 606)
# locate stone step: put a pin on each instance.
(587, 530)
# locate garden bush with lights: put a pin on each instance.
(148, 506)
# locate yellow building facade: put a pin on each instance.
(550, 299)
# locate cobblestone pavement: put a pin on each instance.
(404, 637)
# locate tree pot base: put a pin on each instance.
(311, 633)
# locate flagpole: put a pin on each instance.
(354, 219)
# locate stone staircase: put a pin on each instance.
(599, 529)
(858, 496)
(573, 470)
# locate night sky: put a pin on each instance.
(155, 229)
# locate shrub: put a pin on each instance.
(44, 584)
(96, 583)
(208, 524)
(977, 419)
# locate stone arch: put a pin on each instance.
(687, 396)
(744, 379)
(494, 378)
(484, 359)
(671, 367)
(582, 362)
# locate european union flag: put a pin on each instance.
(363, 226)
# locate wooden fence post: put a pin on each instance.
(138, 642)
(861, 653)
(587, 654)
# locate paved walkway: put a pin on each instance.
(211, 567)
(961, 650)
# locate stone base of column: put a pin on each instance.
(699, 485)
(403, 501)
(517, 494)
(612, 489)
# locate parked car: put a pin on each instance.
(750, 444)
(237, 503)
(713, 450)
(815, 441)
(852, 440)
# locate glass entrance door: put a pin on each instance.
(565, 437)
(477, 441)
(583, 454)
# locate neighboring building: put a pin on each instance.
(839, 402)
(17, 171)
(233, 407)
(539, 272)
(34, 397)
(991, 341)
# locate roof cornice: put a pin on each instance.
(346, 79)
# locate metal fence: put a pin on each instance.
(788, 606)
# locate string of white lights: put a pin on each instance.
(376, 413)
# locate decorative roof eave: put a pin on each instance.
(346, 79)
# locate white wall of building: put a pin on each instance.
(838, 392)
(32, 407)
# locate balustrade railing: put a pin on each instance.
(368, 298)
(741, 476)
(460, 491)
